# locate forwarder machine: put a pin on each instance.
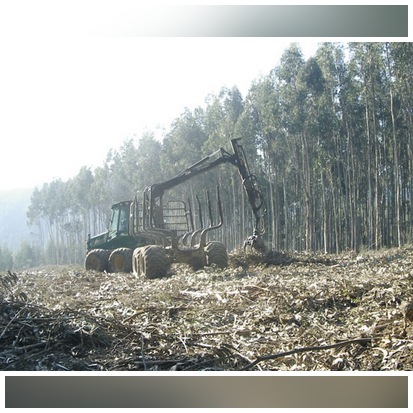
(146, 236)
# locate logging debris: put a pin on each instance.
(277, 311)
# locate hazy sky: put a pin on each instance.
(65, 102)
(68, 95)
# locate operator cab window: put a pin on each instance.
(114, 221)
(124, 220)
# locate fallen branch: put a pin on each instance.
(217, 333)
(305, 349)
(10, 322)
(23, 349)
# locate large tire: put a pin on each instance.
(150, 262)
(97, 260)
(120, 260)
(216, 253)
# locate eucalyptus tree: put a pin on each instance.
(36, 215)
(397, 183)
(182, 145)
(233, 107)
(48, 208)
(366, 57)
(320, 137)
(375, 66)
(101, 198)
(123, 175)
(80, 217)
(148, 167)
(292, 98)
(357, 169)
(263, 104)
(399, 57)
(334, 149)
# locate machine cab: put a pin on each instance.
(119, 221)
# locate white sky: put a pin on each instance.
(66, 100)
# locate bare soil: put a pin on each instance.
(305, 312)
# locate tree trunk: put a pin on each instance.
(286, 226)
(395, 153)
(325, 218)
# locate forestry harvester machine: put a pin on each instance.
(146, 236)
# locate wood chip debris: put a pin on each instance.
(282, 312)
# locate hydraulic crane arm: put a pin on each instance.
(219, 157)
(251, 186)
(197, 168)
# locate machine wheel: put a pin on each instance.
(216, 253)
(120, 260)
(97, 260)
(150, 261)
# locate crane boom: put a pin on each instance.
(219, 157)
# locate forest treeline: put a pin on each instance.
(330, 139)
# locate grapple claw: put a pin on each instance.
(255, 242)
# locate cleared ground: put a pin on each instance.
(303, 312)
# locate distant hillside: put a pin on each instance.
(13, 208)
